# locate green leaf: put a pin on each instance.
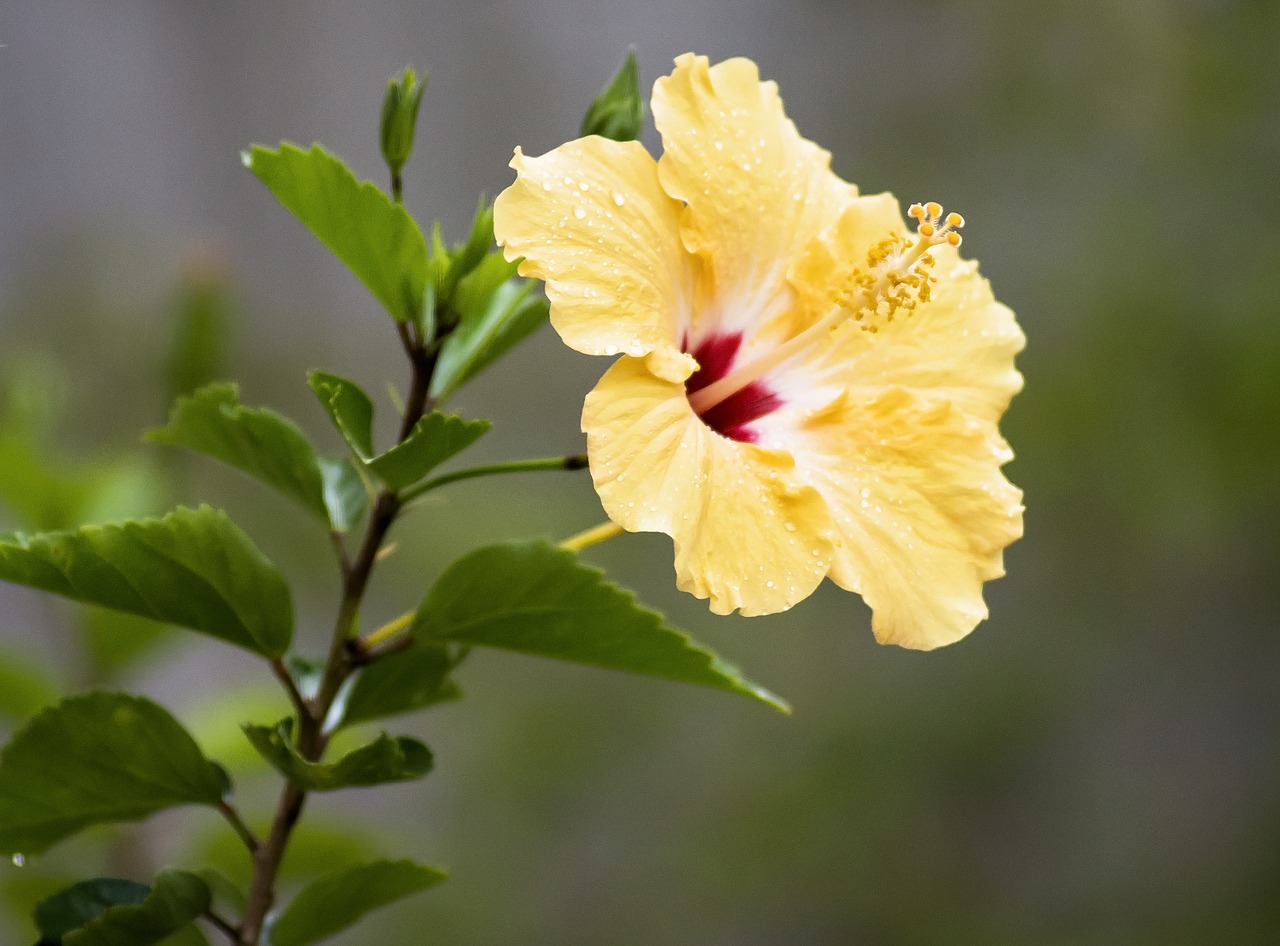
(536, 598)
(194, 568)
(198, 352)
(176, 898)
(334, 903)
(497, 313)
(618, 111)
(346, 495)
(434, 439)
(70, 909)
(260, 442)
(376, 238)
(93, 759)
(400, 683)
(383, 760)
(113, 638)
(314, 846)
(27, 684)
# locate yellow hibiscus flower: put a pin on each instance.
(806, 388)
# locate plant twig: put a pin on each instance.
(246, 833)
(575, 462)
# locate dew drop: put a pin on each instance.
(583, 185)
(789, 526)
(619, 198)
(579, 212)
(719, 145)
(19, 860)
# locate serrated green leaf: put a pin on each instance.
(70, 909)
(27, 684)
(434, 439)
(176, 898)
(97, 758)
(400, 683)
(383, 760)
(536, 598)
(334, 903)
(376, 238)
(194, 568)
(259, 442)
(494, 318)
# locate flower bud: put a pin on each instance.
(399, 117)
(618, 111)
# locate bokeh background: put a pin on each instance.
(1095, 765)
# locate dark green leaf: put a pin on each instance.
(194, 568)
(618, 111)
(346, 495)
(536, 598)
(189, 935)
(260, 442)
(497, 313)
(383, 760)
(399, 683)
(96, 758)
(434, 439)
(176, 898)
(334, 903)
(376, 238)
(72, 908)
(27, 684)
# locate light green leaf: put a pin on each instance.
(259, 442)
(97, 758)
(334, 903)
(176, 898)
(434, 439)
(113, 639)
(383, 760)
(536, 598)
(376, 238)
(194, 568)
(346, 495)
(496, 313)
(27, 684)
(400, 683)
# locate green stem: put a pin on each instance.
(576, 462)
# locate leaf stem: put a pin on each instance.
(231, 932)
(575, 462)
(387, 631)
(246, 834)
(291, 687)
(589, 537)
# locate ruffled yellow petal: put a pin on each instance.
(920, 509)
(591, 220)
(748, 535)
(959, 345)
(757, 192)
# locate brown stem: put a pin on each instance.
(342, 660)
(233, 816)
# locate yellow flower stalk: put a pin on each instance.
(807, 387)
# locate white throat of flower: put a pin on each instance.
(896, 277)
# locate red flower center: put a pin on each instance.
(730, 417)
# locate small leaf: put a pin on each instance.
(618, 111)
(176, 898)
(70, 909)
(497, 313)
(535, 598)
(383, 760)
(334, 903)
(259, 442)
(97, 758)
(400, 683)
(434, 439)
(376, 238)
(194, 568)
(345, 494)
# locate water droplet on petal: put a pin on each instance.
(579, 212)
(619, 198)
(789, 526)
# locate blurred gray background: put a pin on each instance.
(1095, 765)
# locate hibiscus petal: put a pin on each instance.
(919, 506)
(959, 345)
(748, 534)
(591, 220)
(757, 192)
